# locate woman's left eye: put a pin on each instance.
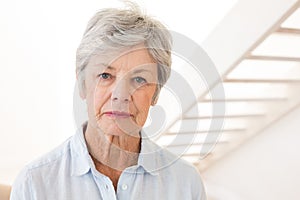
(140, 80)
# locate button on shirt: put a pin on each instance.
(68, 172)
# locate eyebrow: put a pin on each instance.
(110, 67)
(141, 70)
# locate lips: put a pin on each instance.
(117, 114)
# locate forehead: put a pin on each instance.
(128, 60)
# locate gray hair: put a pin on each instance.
(113, 30)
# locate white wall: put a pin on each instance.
(266, 167)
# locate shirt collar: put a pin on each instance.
(80, 158)
(149, 155)
(154, 158)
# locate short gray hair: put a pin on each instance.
(113, 29)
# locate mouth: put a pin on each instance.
(117, 114)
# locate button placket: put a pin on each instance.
(105, 186)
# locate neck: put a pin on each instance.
(110, 153)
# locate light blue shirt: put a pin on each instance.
(68, 172)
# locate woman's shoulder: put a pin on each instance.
(170, 162)
(47, 160)
(178, 172)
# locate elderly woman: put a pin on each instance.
(122, 62)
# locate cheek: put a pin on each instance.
(96, 98)
(101, 97)
(143, 99)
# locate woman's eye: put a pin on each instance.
(140, 80)
(105, 76)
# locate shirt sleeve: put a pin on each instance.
(21, 188)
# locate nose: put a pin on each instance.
(121, 92)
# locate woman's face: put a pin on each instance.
(119, 92)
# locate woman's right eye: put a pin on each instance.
(105, 76)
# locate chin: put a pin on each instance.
(119, 127)
(115, 130)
